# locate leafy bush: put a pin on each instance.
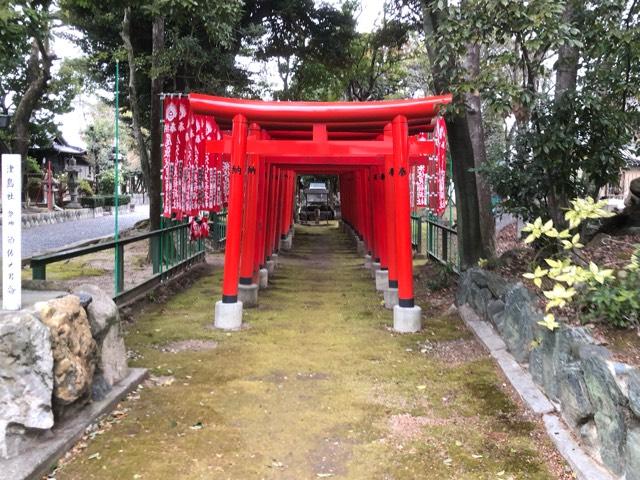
(566, 277)
(32, 166)
(619, 303)
(106, 181)
(92, 202)
(109, 200)
(104, 201)
(84, 188)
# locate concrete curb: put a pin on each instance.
(585, 467)
(48, 448)
(69, 215)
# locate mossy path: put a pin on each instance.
(316, 386)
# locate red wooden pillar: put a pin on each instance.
(250, 214)
(235, 210)
(380, 219)
(277, 206)
(263, 179)
(400, 134)
(368, 213)
(390, 216)
(271, 188)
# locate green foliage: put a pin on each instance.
(85, 188)
(94, 201)
(31, 166)
(99, 137)
(362, 66)
(562, 153)
(569, 280)
(104, 201)
(619, 303)
(106, 181)
(22, 25)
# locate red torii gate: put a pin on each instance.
(369, 145)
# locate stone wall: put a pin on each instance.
(598, 398)
(59, 216)
(55, 358)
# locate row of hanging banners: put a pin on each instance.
(195, 181)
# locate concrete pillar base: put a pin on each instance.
(407, 319)
(375, 266)
(274, 257)
(382, 280)
(286, 243)
(390, 298)
(263, 278)
(367, 261)
(248, 295)
(271, 266)
(228, 316)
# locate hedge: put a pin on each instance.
(104, 201)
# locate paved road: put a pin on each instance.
(43, 238)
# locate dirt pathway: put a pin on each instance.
(316, 386)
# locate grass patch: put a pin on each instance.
(67, 270)
(308, 389)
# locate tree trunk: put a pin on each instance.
(568, 56)
(133, 98)
(155, 167)
(476, 224)
(467, 207)
(566, 79)
(473, 116)
(38, 76)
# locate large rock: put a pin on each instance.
(74, 349)
(518, 321)
(601, 384)
(607, 400)
(611, 435)
(634, 391)
(633, 454)
(105, 326)
(26, 379)
(574, 399)
(102, 310)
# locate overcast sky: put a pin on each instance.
(72, 123)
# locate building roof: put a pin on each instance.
(60, 145)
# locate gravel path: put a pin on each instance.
(43, 238)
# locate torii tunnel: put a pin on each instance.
(369, 146)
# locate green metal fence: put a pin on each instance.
(439, 239)
(219, 228)
(171, 252)
(416, 233)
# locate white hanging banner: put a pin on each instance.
(11, 232)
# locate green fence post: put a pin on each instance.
(445, 246)
(156, 252)
(120, 269)
(38, 271)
